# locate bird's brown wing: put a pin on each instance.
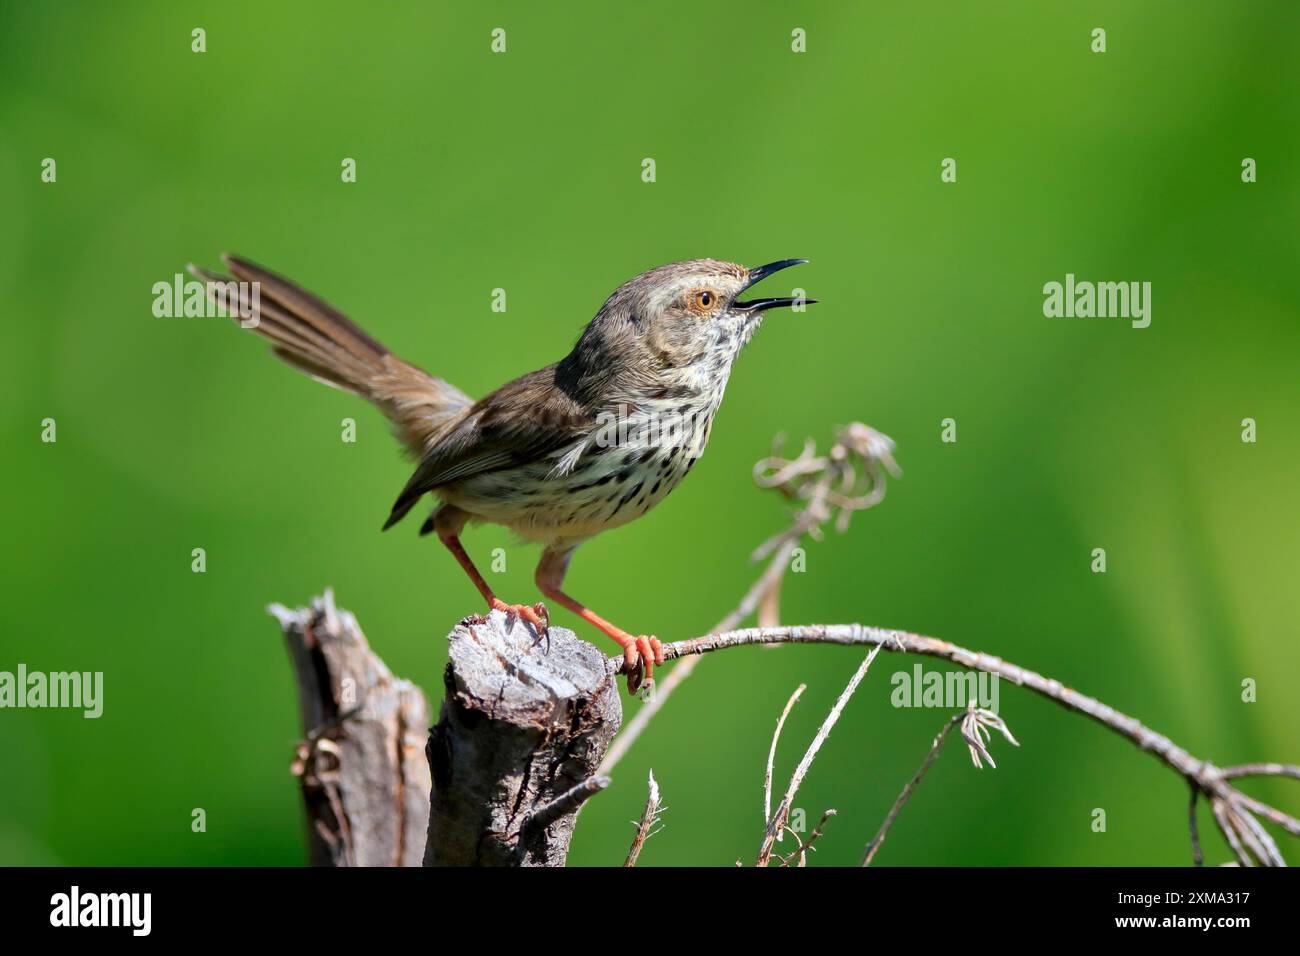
(524, 420)
(314, 337)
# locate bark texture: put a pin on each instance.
(364, 779)
(523, 729)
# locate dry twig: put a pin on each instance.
(1234, 811)
(808, 847)
(777, 824)
(771, 754)
(1193, 832)
(645, 829)
(908, 787)
(566, 803)
(975, 723)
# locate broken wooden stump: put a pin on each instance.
(523, 728)
(364, 779)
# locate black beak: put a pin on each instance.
(760, 273)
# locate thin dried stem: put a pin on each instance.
(645, 828)
(1219, 809)
(1257, 839)
(800, 855)
(771, 754)
(908, 787)
(808, 847)
(1288, 823)
(977, 726)
(776, 825)
(1261, 770)
(566, 803)
(1193, 831)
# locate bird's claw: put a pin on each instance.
(534, 614)
(640, 654)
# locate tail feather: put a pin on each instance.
(322, 342)
(321, 373)
(306, 307)
(353, 371)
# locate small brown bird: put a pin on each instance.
(563, 453)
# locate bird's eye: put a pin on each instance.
(705, 299)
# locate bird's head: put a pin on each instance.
(689, 314)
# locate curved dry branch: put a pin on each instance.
(1234, 812)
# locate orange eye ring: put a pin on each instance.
(705, 299)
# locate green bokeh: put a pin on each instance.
(522, 171)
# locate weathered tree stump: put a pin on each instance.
(523, 728)
(364, 779)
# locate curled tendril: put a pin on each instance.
(831, 487)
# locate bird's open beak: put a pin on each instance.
(758, 274)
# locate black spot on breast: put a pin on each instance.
(607, 477)
(631, 494)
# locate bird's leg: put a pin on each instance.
(640, 653)
(448, 522)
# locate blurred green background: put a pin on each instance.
(522, 171)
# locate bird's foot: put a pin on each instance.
(640, 655)
(534, 614)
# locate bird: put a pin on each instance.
(558, 455)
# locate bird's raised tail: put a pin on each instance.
(317, 339)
